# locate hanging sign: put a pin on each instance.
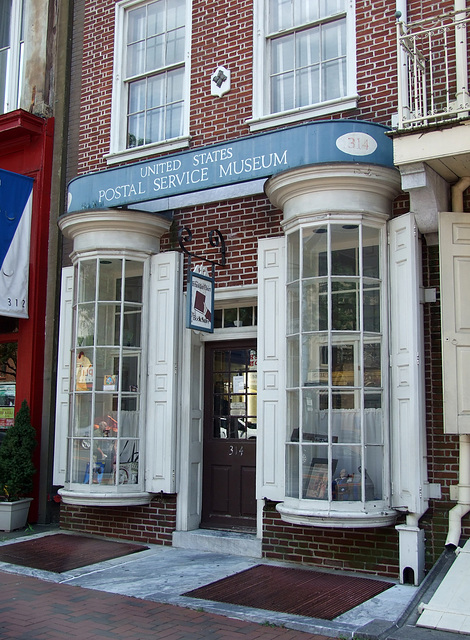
(201, 286)
(200, 302)
(16, 195)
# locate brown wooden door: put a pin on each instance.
(229, 465)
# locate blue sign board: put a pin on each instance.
(239, 160)
(16, 197)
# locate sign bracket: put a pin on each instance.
(216, 240)
(200, 310)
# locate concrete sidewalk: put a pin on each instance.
(141, 596)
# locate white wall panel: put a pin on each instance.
(407, 410)
(162, 392)
(454, 244)
(63, 377)
(271, 369)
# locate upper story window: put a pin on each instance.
(306, 56)
(151, 79)
(11, 53)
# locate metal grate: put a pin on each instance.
(63, 552)
(295, 591)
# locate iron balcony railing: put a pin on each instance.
(433, 74)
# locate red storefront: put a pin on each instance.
(26, 149)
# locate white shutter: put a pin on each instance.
(454, 243)
(271, 369)
(163, 325)
(407, 419)
(63, 376)
(189, 484)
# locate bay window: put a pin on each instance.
(104, 437)
(116, 380)
(328, 392)
(336, 374)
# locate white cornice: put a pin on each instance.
(344, 188)
(329, 518)
(103, 499)
(114, 229)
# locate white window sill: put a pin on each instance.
(329, 515)
(304, 113)
(138, 153)
(104, 499)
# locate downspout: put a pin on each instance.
(457, 193)
(463, 500)
(401, 7)
(411, 537)
(463, 503)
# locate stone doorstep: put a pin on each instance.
(226, 542)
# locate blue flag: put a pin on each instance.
(16, 195)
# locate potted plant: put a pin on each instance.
(17, 470)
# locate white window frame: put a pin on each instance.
(342, 514)
(79, 493)
(262, 118)
(14, 67)
(114, 493)
(118, 151)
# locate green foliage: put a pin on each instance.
(16, 465)
(8, 357)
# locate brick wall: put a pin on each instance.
(242, 222)
(96, 83)
(369, 550)
(376, 62)
(153, 523)
(222, 33)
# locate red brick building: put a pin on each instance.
(302, 152)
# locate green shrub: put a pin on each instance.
(16, 464)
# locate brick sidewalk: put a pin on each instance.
(32, 609)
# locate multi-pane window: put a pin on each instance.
(235, 393)
(11, 53)
(307, 52)
(246, 316)
(106, 390)
(155, 71)
(336, 332)
(304, 60)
